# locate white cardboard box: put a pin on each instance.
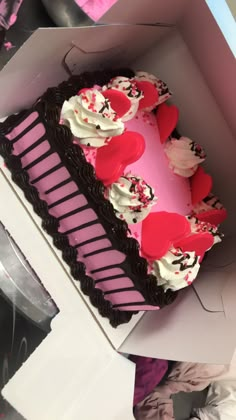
(200, 325)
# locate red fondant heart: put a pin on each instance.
(167, 118)
(159, 232)
(112, 159)
(199, 243)
(201, 185)
(150, 94)
(215, 216)
(119, 101)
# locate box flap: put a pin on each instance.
(228, 295)
(74, 373)
(38, 64)
(190, 328)
(208, 288)
(214, 283)
(218, 29)
(148, 11)
(184, 331)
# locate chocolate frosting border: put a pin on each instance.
(72, 156)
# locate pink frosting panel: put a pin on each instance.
(50, 181)
(70, 205)
(105, 259)
(112, 285)
(35, 153)
(112, 272)
(48, 163)
(23, 125)
(36, 133)
(83, 217)
(61, 192)
(122, 297)
(93, 246)
(86, 234)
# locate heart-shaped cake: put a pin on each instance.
(132, 216)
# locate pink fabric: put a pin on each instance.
(95, 9)
(186, 377)
(8, 12)
(149, 373)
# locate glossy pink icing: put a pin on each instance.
(46, 183)
(107, 257)
(173, 191)
(110, 284)
(69, 205)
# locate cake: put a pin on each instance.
(120, 191)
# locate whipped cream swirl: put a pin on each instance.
(132, 198)
(198, 226)
(91, 118)
(184, 156)
(211, 202)
(163, 91)
(176, 269)
(127, 87)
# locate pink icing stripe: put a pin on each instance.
(112, 284)
(50, 181)
(69, 205)
(93, 246)
(23, 125)
(48, 163)
(35, 153)
(84, 216)
(106, 258)
(104, 274)
(86, 234)
(126, 297)
(61, 192)
(29, 138)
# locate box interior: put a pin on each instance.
(174, 55)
